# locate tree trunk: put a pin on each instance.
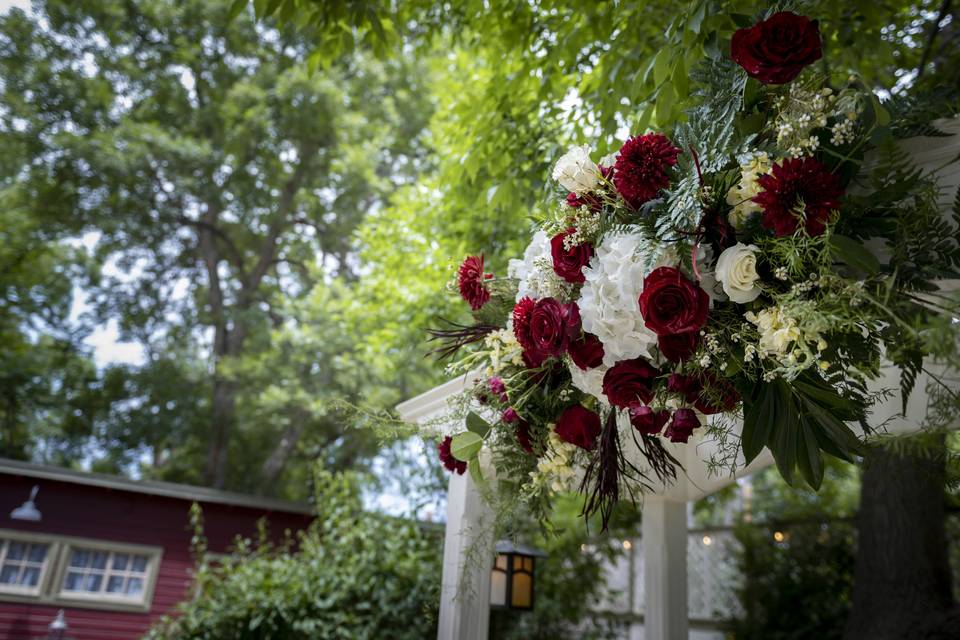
(902, 577)
(222, 418)
(274, 464)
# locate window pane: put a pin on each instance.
(38, 552)
(140, 563)
(120, 561)
(134, 586)
(501, 562)
(16, 551)
(99, 559)
(9, 574)
(73, 581)
(30, 577)
(115, 584)
(92, 582)
(79, 558)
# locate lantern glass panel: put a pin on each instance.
(521, 595)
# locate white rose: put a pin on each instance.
(737, 271)
(576, 172)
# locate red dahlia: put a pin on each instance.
(446, 457)
(798, 191)
(641, 169)
(471, 280)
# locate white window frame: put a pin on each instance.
(50, 587)
(28, 539)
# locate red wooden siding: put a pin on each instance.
(121, 516)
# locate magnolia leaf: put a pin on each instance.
(808, 456)
(853, 253)
(783, 437)
(477, 425)
(465, 446)
(757, 422)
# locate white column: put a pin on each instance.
(465, 587)
(665, 569)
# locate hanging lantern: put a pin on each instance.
(513, 575)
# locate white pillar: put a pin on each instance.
(465, 587)
(665, 569)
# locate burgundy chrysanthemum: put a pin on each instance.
(446, 457)
(641, 169)
(471, 280)
(798, 191)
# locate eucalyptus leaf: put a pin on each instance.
(477, 425)
(465, 446)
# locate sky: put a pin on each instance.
(6, 5)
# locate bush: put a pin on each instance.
(797, 588)
(353, 575)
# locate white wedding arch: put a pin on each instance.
(465, 594)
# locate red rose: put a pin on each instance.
(679, 346)
(641, 168)
(553, 325)
(672, 304)
(684, 422)
(586, 351)
(498, 388)
(510, 415)
(446, 457)
(646, 420)
(777, 49)
(686, 386)
(471, 280)
(629, 381)
(715, 395)
(521, 322)
(798, 191)
(569, 263)
(580, 426)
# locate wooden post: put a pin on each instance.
(665, 568)
(465, 586)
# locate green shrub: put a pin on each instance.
(797, 588)
(353, 575)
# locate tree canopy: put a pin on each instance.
(269, 197)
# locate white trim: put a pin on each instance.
(433, 402)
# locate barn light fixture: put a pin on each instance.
(512, 578)
(58, 628)
(28, 510)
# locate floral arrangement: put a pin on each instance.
(716, 273)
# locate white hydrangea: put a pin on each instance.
(576, 172)
(608, 300)
(739, 196)
(534, 278)
(589, 381)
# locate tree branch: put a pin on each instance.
(934, 30)
(281, 220)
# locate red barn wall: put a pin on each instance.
(126, 517)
